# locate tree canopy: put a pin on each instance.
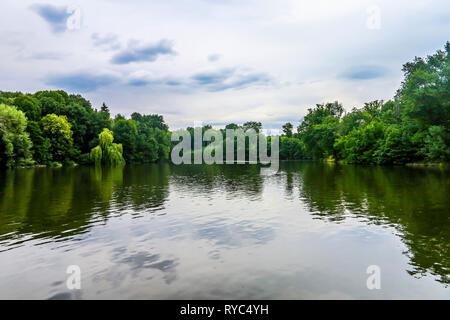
(55, 126)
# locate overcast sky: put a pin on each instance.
(217, 61)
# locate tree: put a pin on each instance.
(15, 143)
(41, 145)
(29, 105)
(86, 122)
(292, 149)
(353, 120)
(425, 92)
(104, 108)
(373, 108)
(58, 131)
(153, 141)
(287, 129)
(52, 101)
(232, 126)
(126, 133)
(257, 126)
(151, 120)
(436, 144)
(107, 152)
(360, 145)
(319, 128)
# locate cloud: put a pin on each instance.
(230, 79)
(138, 82)
(213, 77)
(81, 81)
(364, 73)
(109, 41)
(214, 57)
(150, 52)
(142, 78)
(218, 80)
(56, 16)
(159, 82)
(46, 55)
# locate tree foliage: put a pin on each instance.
(107, 152)
(414, 126)
(57, 130)
(15, 143)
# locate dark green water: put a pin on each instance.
(225, 232)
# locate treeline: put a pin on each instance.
(56, 128)
(412, 127)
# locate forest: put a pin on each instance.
(55, 128)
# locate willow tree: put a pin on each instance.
(107, 152)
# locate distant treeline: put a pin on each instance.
(54, 127)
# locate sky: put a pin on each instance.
(217, 62)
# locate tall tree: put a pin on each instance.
(257, 126)
(287, 129)
(58, 130)
(15, 143)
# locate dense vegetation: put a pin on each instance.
(414, 126)
(54, 127)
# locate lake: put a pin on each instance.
(162, 231)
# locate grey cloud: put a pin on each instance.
(140, 82)
(213, 77)
(364, 73)
(56, 16)
(214, 57)
(229, 79)
(218, 80)
(148, 52)
(81, 81)
(47, 56)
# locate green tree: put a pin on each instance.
(425, 92)
(319, 127)
(15, 143)
(86, 122)
(292, 149)
(257, 126)
(41, 145)
(232, 126)
(436, 144)
(126, 133)
(29, 105)
(107, 152)
(287, 129)
(104, 108)
(360, 145)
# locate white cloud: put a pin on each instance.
(286, 55)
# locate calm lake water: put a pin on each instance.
(225, 232)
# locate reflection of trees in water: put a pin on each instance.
(414, 201)
(65, 202)
(242, 180)
(145, 188)
(37, 202)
